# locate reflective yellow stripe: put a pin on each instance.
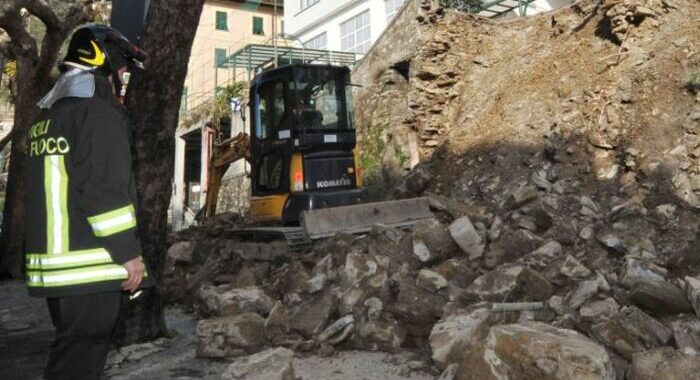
(68, 260)
(67, 277)
(113, 222)
(56, 197)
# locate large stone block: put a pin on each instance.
(431, 241)
(230, 336)
(310, 317)
(664, 364)
(660, 298)
(223, 300)
(454, 336)
(467, 238)
(511, 283)
(536, 351)
(631, 331)
(272, 364)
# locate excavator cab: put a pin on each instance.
(302, 142)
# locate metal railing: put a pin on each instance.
(493, 8)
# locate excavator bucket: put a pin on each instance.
(360, 218)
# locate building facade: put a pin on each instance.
(226, 26)
(354, 25)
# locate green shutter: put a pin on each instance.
(258, 26)
(219, 57)
(221, 20)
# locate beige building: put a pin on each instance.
(226, 26)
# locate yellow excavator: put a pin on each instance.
(302, 150)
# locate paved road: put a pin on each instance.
(25, 333)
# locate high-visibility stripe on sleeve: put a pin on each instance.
(113, 222)
(76, 276)
(38, 261)
(56, 190)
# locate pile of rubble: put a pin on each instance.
(485, 295)
(564, 243)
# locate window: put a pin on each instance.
(392, 6)
(270, 110)
(221, 20)
(355, 34)
(219, 57)
(258, 29)
(319, 42)
(307, 3)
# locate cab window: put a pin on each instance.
(270, 110)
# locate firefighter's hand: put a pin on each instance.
(136, 269)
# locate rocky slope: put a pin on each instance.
(560, 154)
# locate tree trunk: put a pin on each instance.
(154, 103)
(34, 66)
(29, 91)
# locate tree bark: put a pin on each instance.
(33, 70)
(153, 101)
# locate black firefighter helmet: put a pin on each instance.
(103, 50)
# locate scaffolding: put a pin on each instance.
(492, 9)
(254, 57)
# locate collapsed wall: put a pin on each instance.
(610, 72)
(560, 155)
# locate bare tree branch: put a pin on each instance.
(43, 12)
(12, 22)
(56, 30)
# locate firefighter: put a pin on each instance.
(82, 251)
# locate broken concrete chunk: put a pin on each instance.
(316, 283)
(660, 298)
(631, 331)
(536, 350)
(612, 243)
(431, 240)
(692, 288)
(467, 238)
(230, 336)
(572, 268)
(338, 330)
(358, 266)
(430, 280)
(385, 336)
(586, 290)
(277, 323)
(223, 300)
(543, 256)
(415, 305)
(511, 283)
(596, 311)
(686, 334)
(636, 270)
(310, 317)
(272, 364)
(452, 338)
(521, 197)
(457, 272)
(663, 364)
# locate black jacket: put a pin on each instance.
(81, 196)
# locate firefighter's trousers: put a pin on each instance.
(84, 325)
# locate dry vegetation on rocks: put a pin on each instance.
(561, 156)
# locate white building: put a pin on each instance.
(353, 25)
